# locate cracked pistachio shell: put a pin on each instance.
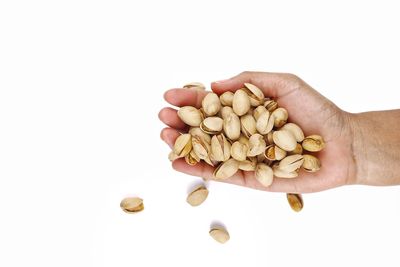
(211, 104)
(132, 204)
(190, 115)
(194, 85)
(264, 174)
(183, 145)
(269, 137)
(313, 143)
(212, 125)
(295, 201)
(291, 163)
(196, 131)
(232, 126)
(258, 111)
(295, 130)
(256, 96)
(226, 169)
(297, 150)
(248, 125)
(281, 116)
(192, 158)
(248, 165)
(265, 123)
(273, 152)
(220, 235)
(239, 151)
(311, 163)
(226, 98)
(220, 148)
(283, 174)
(270, 105)
(285, 140)
(201, 147)
(197, 196)
(225, 111)
(241, 102)
(257, 145)
(172, 156)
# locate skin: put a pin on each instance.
(360, 148)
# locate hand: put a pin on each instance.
(306, 107)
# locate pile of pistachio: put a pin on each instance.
(245, 131)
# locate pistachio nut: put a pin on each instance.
(225, 111)
(196, 131)
(274, 152)
(258, 111)
(313, 143)
(219, 234)
(232, 126)
(295, 201)
(240, 103)
(283, 174)
(256, 145)
(220, 148)
(212, 125)
(248, 125)
(226, 169)
(311, 163)
(172, 156)
(190, 115)
(132, 204)
(183, 145)
(195, 85)
(197, 196)
(248, 164)
(239, 151)
(211, 104)
(264, 174)
(256, 96)
(265, 123)
(285, 140)
(291, 163)
(281, 116)
(192, 158)
(295, 130)
(297, 150)
(270, 105)
(201, 148)
(226, 98)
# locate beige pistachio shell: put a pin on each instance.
(311, 163)
(225, 111)
(232, 126)
(264, 174)
(197, 196)
(295, 130)
(172, 156)
(248, 164)
(226, 169)
(190, 115)
(239, 151)
(196, 131)
(257, 145)
(211, 104)
(212, 125)
(269, 137)
(258, 111)
(240, 103)
(194, 85)
(220, 148)
(248, 125)
(313, 143)
(285, 140)
(226, 99)
(281, 116)
(265, 123)
(283, 174)
(192, 158)
(295, 201)
(297, 150)
(183, 145)
(132, 204)
(256, 96)
(291, 163)
(220, 235)
(270, 105)
(200, 147)
(244, 140)
(273, 152)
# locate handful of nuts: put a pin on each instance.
(245, 131)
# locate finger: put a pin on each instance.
(169, 116)
(184, 97)
(169, 135)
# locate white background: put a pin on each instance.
(81, 83)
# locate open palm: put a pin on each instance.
(310, 110)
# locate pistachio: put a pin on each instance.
(270, 105)
(192, 158)
(311, 163)
(281, 116)
(248, 124)
(232, 126)
(225, 111)
(295, 130)
(194, 85)
(196, 131)
(240, 103)
(226, 169)
(211, 104)
(273, 152)
(201, 148)
(285, 140)
(256, 145)
(256, 96)
(183, 145)
(226, 98)
(283, 174)
(172, 156)
(190, 115)
(258, 111)
(212, 125)
(248, 164)
(269, 137)
(220, 148)
(197, 196)
(239, 151)
(220, 235)
(295, 201)
(291, 163)
(132, 204)
(244, 140)
(297, 150)
(313, 143)
(264, 174)
(265, 123)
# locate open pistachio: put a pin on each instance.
(194, 85)
(211, 104)
(197, 196)
(239, 151)
(295, 201)
(183, 145)
(274, 152)
(248, 125)
(281, 116)
(270, 105)
(258, 111)
(219, 234)
(201, 148)
(265, 123)
(256, 145)
(269, 137)
(313, 143)
(295, 130)
(212, 125)
(220, 148)
(311, 163)
(241, 102)
(226, 98)
(256, 96)
(192, 158)
(226, 169)
(132, 204)
(225, 111)
(232, 126)
(291, 163)
(297, 150)
(190, 115)
(196, 131)
(248, 164)
(285, 140)
(264, 174)
(283, 174)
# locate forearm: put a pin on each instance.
(376, 147)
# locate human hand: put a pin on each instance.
(306, 107)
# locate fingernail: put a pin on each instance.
(222, 81)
